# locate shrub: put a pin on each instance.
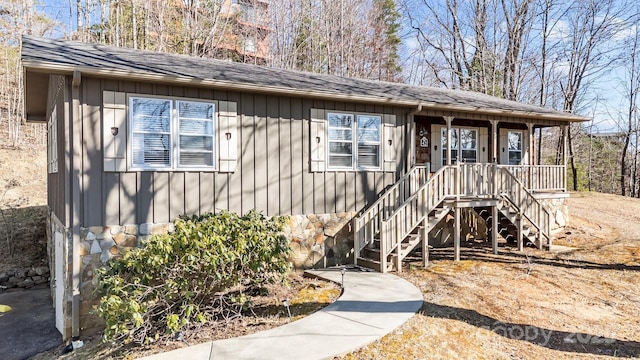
(204, 271)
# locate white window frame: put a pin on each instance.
(458, 157)
(520, 150)
(354, 142)
(174, 139)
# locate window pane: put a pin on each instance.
(340, 134)
(196, 139)
(188, 126)
(188, 142)
(344, 148)
(469, 155)
(515, 140)
(368, 128)
(151, 132)
(151, 115)
(515, 157)
(454, 156)
(340, 120)
(467, 139)
(454, 138)
(340, 161)
(196, 159)
(151, 149)
(369, 155)
(195, 110)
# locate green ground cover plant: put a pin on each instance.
(205, 271)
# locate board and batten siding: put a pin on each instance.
(272, 173)
(58, 102)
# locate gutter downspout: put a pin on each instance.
(412, 125)
(76, 158)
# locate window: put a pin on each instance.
(514, 139)
(159, 135)
(196, 134)
(354, 141)
(464, 145)
(249, 45)
(249, 13)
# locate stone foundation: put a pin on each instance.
(98, 245)
(321, 240)
(558, 210)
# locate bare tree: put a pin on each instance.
(590, 25)
(632, 88)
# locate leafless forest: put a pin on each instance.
(578, 56)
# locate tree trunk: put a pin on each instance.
(574, 170)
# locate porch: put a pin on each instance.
(506, 198)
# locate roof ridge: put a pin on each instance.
(108, 60)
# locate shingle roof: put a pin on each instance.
(65, 56)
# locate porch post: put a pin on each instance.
(494, 229)
(494, 140)
(564, 145)
(448, 119)
(531, 159)
(564, 155)
(425, 241)
(456, 232)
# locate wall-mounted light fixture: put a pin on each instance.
(228, 135)
(114, 130)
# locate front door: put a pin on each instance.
(423, 141)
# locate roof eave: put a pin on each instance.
(42, 66)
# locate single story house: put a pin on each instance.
(365, 169)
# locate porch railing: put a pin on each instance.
(403, 220)
(539, 177)
(367, 224)
(512, 188)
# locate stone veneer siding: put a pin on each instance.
(99, 244)
(320, 240)
(316, 241)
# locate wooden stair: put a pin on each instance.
(394, 225)
(508, 225)
(370, 256)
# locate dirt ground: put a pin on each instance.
(583, 303)
(23, 200)
(306, 296)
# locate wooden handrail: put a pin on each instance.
(515, 191)
(367, 224)
(402, 221)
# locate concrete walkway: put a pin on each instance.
(371, 306)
